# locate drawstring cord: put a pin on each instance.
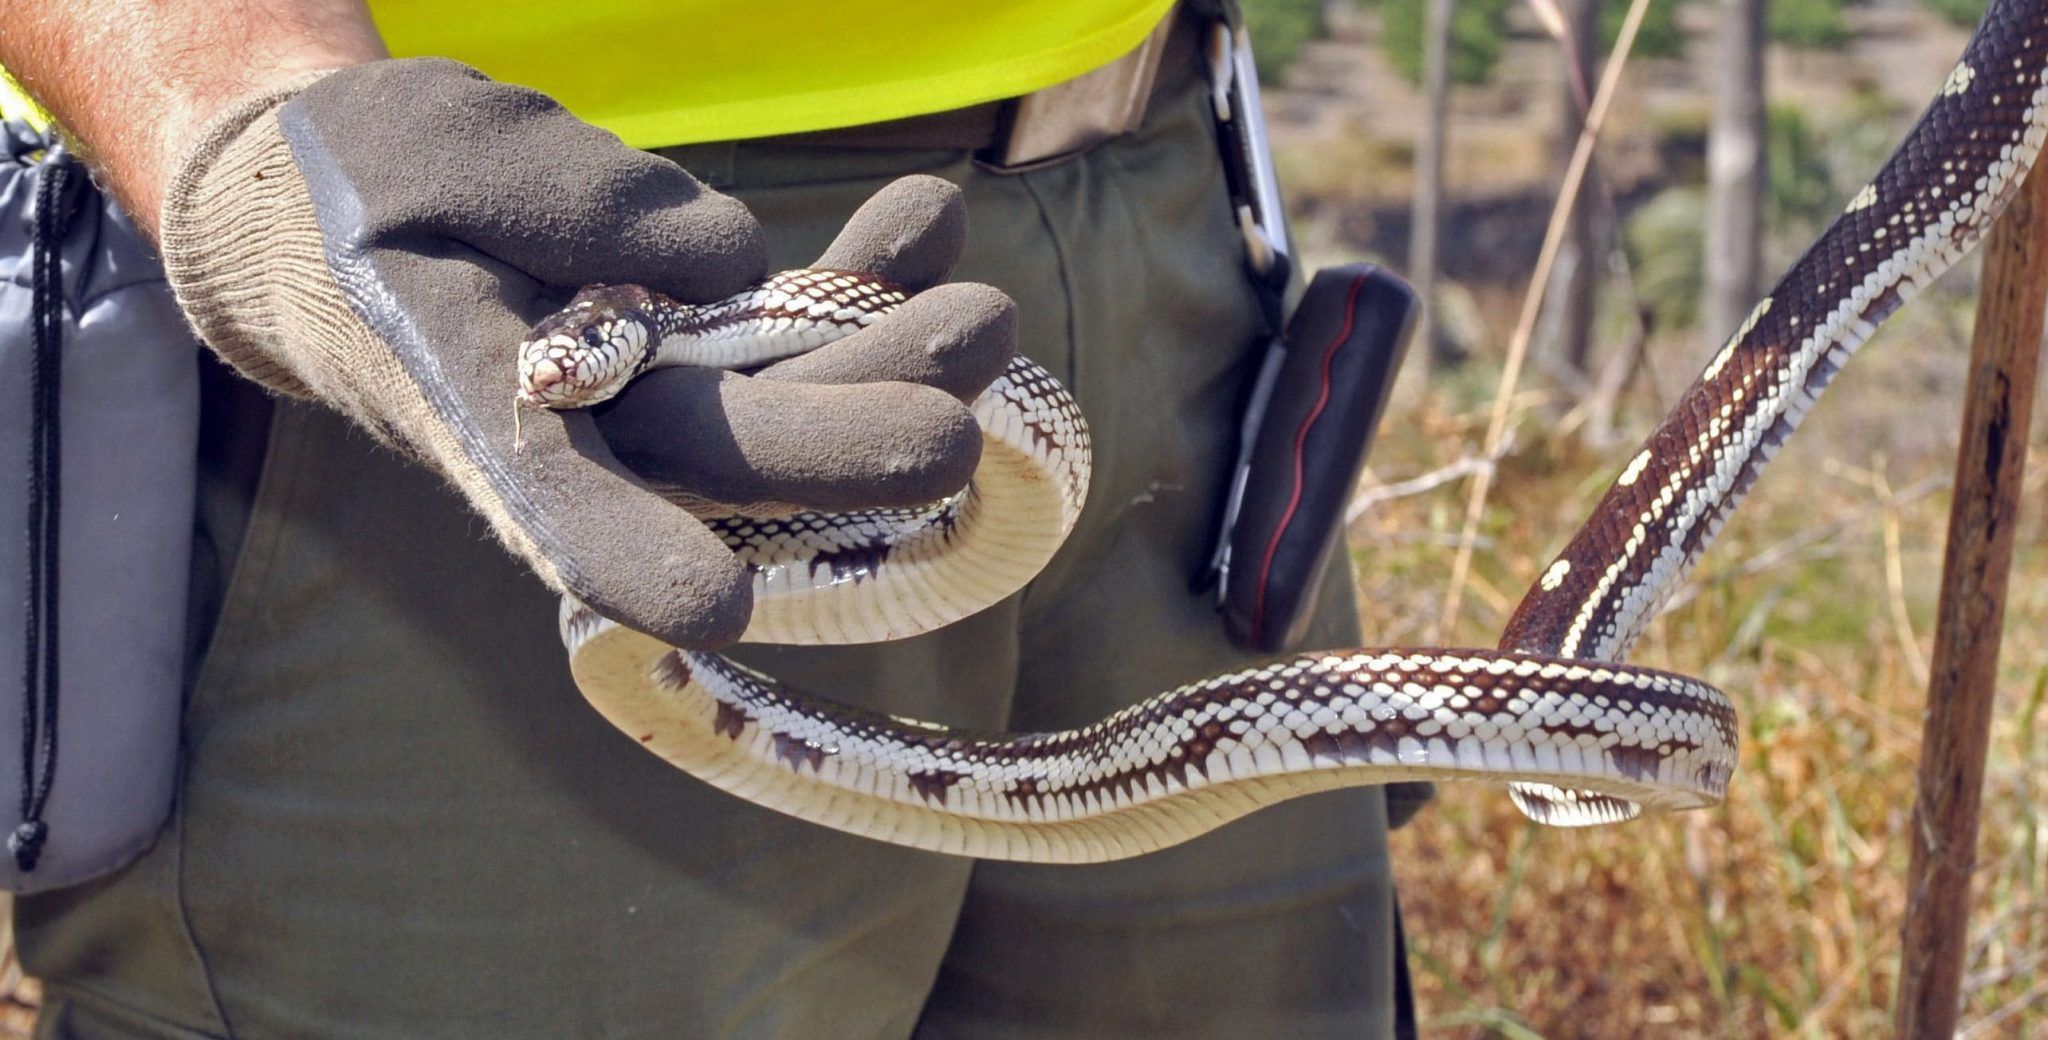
(54, 206)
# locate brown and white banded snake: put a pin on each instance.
(1580, 737)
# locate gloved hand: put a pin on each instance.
(806, 433)
(381, 238)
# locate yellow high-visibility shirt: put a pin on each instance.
(667, 72)
(16, 104)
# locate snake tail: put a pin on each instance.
(1929, 204)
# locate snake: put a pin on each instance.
(1579, 736)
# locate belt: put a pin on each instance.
(1046, 126)
(970, 129)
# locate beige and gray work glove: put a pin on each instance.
(381, 239)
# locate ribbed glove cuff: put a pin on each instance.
(241, 247)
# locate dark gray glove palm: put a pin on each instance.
(381, 239)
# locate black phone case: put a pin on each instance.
(1344, 347)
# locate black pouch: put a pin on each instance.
(100, 429)
(1343, 347)
(1324, 374)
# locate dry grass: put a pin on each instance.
(1779, 913)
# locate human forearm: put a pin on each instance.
(132, 81)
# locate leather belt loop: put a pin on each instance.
(1060, 122)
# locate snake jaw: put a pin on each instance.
(587, 352)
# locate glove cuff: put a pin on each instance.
(244, 253)
(226, 230)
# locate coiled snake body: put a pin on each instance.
(1580, 737)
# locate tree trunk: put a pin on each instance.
(1425, 233)
(1580, 259)
(1736, 177)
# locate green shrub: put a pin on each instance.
(1801, 192)
(1807, 23)
(1478, 29)
(1959, 12)
(1666, 242)
(1665, 237)
(1279, 29)
(1660, 36)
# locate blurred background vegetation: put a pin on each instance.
(1779, 913)
(1281, 28)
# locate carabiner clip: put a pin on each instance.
(1248, 158)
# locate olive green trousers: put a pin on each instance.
(397, 818)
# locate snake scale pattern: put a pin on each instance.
(1580, 737)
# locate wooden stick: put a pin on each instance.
(2004, 353)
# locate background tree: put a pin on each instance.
(1576, 263)
(1425, 234)
(1736, 172)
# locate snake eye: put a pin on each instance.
(593, 337)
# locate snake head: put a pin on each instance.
(588, 351)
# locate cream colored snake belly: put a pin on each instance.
(1580, 737)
